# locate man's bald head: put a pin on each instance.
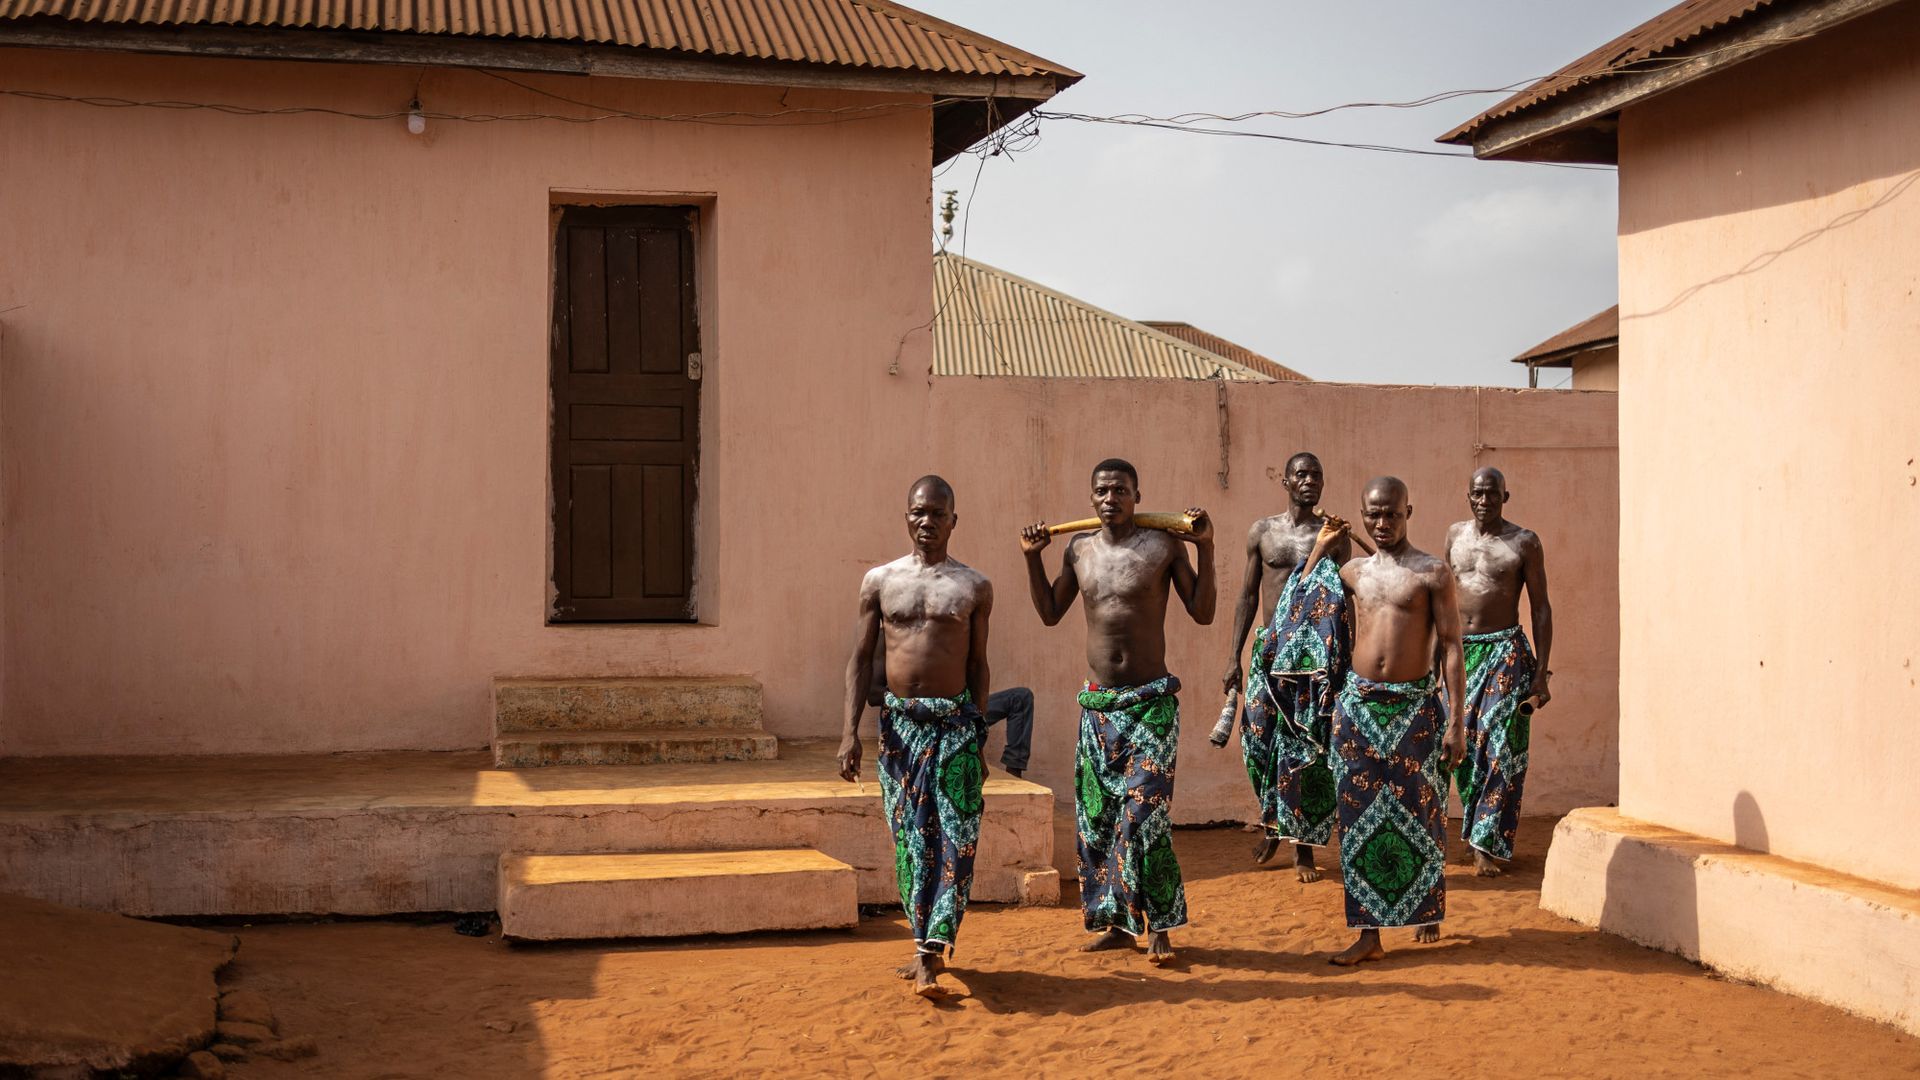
(1385, 509)
(930, 516)
(1391, 487)
(1303, 478)
(934, 486)
(1486, 496)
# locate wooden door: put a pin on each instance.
(626, 415)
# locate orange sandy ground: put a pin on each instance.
(1508, 991)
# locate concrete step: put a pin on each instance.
(651, 747)
(523, 705)
(674, 894)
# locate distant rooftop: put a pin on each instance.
(1559, 350)
(1220, 346)
(1573, 114)
(989, 322)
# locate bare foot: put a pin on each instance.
(1484, 864)
(1269, 847)
(1112, 939)
(926, 967)
(1428, 934)
(1361, 951)
(1303, 864)
(1159, 949)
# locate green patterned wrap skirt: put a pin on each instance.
(1123, 786)
(932, 779)
(1392, 794)
(1500, 668)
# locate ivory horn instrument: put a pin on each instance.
(1179, 524)
(1351, 534)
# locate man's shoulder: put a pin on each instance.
(1523, 537)
(1426, 564)
(879, 574)
(1454, 530)
(967, 574)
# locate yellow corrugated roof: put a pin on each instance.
(989, 322)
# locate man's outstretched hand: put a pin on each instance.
(1453, 746)
(850, 752)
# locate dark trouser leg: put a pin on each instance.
(1016, 705)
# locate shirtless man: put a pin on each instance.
(1289, 691)
(1494, 559)
(1387, 728)
(930, 613)
(1129, 718)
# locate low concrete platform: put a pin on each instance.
(375, 834)
(1837, 939)
(674, 894)
(647, 747)
(524, 705)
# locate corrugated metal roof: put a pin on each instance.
(989, 322)
(1601, 329)
(1675, 26)
(858, 33)
(1220, 346)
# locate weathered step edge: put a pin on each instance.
(674, 894)
(532, 750)
(626, 704)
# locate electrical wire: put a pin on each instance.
(1016, 138)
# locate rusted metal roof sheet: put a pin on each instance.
(989, 322)
(1674, 27)
(873, 34)
(1601, 330)
(1220, 346)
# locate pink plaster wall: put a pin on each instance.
(1769, 430)
(273, 414)
(1019, 449)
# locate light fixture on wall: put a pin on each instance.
(416, 120)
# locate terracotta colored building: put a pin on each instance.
(366, 401)
(311, 417)
(1770, 630)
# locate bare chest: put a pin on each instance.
(1484, 561)
(1284, 548)
(1390, 589)
(1124, 571)
(910, 600)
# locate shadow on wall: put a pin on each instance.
(1749, 825)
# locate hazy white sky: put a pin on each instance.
(1347, 265)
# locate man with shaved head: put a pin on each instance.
(928, 613)
(1295, 669)
(1393, 740)
(1130, 884)
(1494, 559)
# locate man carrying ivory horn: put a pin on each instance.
(1130, 882)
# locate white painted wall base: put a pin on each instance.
(1840, 940)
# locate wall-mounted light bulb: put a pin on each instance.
(416, 120)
